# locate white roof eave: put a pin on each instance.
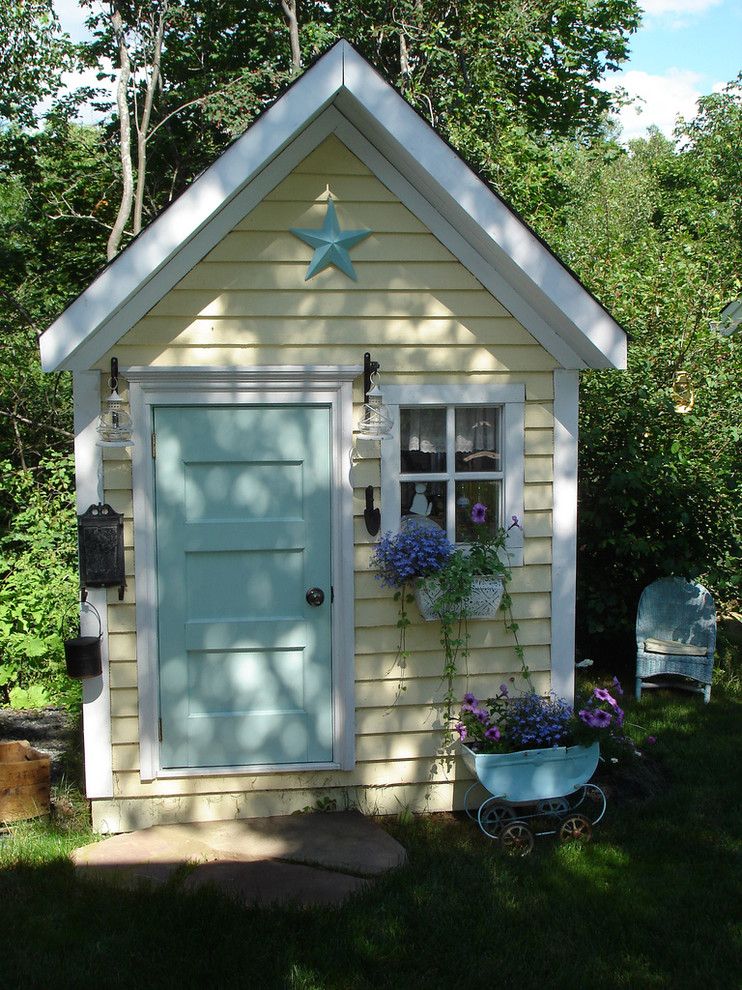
(554, 303)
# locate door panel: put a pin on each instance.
(243, 509)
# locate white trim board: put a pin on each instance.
(552, 301)
(149, 387)
(564, 534)
(96, 691)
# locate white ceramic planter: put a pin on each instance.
(482, 603)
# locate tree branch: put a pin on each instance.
(16, 418)
(127, 193)
(289, 9)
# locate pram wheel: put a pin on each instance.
(493, 814)
(516, 839)
(576, 828)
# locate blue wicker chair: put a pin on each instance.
(675, 635)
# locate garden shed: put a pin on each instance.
(249, 668)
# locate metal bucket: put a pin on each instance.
(83, 654)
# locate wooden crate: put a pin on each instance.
(25, 775)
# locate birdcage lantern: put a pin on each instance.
(114, 423)
(375, 422)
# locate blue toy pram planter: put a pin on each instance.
(535, 792)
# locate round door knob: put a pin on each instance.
(315, 597)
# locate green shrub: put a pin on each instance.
(38, 583)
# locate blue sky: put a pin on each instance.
(684, 49)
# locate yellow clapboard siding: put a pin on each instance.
(377, 611)
(379, 217)
(382, 746)
(117, 475)
(426, 636)
(538, 470)
(121, 617)
(306, 187)
(536, 497)
(372, 276)
(422, 692)
(122, 647)
(332, 157)
(123, 675)
(429, 663)
(403, 718)
(367, 587)
(537, 524)
(124, 703)
(539, 442)
(298, 304)
(128, 784)
(124, 730)
(242, 246)
(537, 551)
(539, 415)
(126, 757)
(154, 331)
(127, 814)
(413, 360)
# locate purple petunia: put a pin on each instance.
(595, 718)
(460, 728)
(493, 733)
(651, 740)
(478, 513)
(617, 686)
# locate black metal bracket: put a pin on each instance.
(369, 368)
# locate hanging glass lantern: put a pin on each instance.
(375, 422)
(114, 423)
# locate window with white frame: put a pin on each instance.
(450, 448)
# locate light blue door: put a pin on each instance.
(243, 533)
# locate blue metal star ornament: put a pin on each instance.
(331, 245)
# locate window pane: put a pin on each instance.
(469, 494)
(478, 439)
(422, 434)
(424, 501)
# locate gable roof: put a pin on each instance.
(342, 94)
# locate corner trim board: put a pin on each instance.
(564, 539)
(96, 691)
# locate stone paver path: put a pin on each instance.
(301, 859)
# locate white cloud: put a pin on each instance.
(72, 17)
(659, 99)
(674, 8)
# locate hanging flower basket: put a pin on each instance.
(534, 774)
(482, 603)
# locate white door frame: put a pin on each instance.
(308, 385)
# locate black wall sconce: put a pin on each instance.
(100, 542)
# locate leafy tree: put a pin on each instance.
(653, 231)
(33, 53)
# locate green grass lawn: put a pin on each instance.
(653, 902)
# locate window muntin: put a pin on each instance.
(451, 457)
(509, 401)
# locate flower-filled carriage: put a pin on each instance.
(533, 757)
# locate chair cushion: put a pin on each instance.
(669, 647)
